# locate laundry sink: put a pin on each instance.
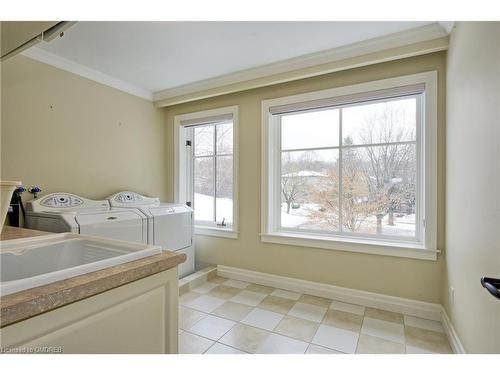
(36, 261)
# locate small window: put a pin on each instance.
(351, 168)
(211, 153)
(207, 169)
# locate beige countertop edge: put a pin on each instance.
(28, 303)
(14, 233)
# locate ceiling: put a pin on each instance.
(154, 56)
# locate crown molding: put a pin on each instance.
(422, 40)
(45, 57)
(418, 41)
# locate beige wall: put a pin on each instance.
(68, 133)
(473, 184)
(417, 279)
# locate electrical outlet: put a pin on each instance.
(452, 295)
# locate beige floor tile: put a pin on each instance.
(277, 344)
(224, 292)
(348, 307)
(192, 344)
(375, 345)
(277, 304)
(205, 303)
(384, 315)
(212, 327)
(429, 340)
(431, 325)
(188, 297)
(260, 288)
(383, 329)
(205, 287)
(189, 317)
(296, 328)
(286, 294)
(263, 319)
(217, 279)
(414, 350)
(232, 310)
(335, 338)
(248, 298)
(236, 283)
(245, 338)
(219, 348)
(316, 349)
(342, 319)
(306, 311)
(313, 300)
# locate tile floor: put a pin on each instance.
(225, 316)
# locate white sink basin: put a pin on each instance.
(36, 261)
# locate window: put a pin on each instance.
(353, 168)
(206, 169)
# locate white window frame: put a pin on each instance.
(182, 191)
(425, 247)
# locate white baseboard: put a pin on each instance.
(456, 344)
(380, 301)
(425, 310)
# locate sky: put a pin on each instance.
(321, 128)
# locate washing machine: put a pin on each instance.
(65, 212)
(170, 225)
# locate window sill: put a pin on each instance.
(398, 249)
(216, 232)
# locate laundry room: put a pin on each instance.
(272, 187)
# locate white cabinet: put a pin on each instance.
(140, 317)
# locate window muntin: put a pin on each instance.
(365, 185)
(211, 179)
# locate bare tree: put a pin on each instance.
(388, 167)
(294, 185)
(355, 208)
(205, 162)
(376, 180)
(292, 188)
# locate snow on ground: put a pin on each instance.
(204, 208)
(299, 218)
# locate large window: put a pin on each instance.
(350, 168)
(206, 154)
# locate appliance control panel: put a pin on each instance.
(56, 202)
(61, 200)
(128, 198)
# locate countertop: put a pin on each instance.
(28, 303)
(13, 233)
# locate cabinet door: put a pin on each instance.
(140, 317)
